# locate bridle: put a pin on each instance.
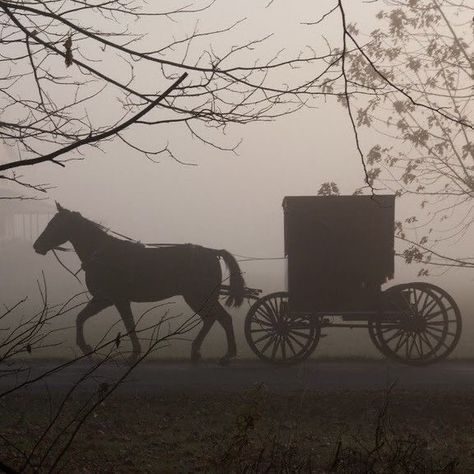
(62, 249)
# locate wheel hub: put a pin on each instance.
(415, 324)
(282, 329)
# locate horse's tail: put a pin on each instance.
(236, 280)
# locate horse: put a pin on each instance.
(118, 272)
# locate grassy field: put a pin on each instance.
(252, 432)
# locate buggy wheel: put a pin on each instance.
(419, 324)
(278, 336)
(374, 337)
(454, 320)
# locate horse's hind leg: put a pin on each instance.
(94, 306)
(211, 310)
(125, 311)
(225, 320)
(207, 308)
(207, 323)
(203, 307)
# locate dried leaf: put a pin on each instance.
(68, 46)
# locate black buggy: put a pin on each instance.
(340, 251)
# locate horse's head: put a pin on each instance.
(57, 232)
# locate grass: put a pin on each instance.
(256, 432)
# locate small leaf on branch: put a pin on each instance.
(68, 46)
(412, 255)
(329, 189)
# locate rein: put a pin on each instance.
(64, 265)
(143, 244)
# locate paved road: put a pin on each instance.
(156, 377)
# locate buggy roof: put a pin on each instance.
(379, 200)
(341, 234)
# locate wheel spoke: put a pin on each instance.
(266, 316)
(440, 340)
(448, 333)
(290, 345)
(436, 337)
(416, 298)
(290, 335)
(425, 302)
(409, 350)
(268, 343)
(262, 338)
(393, 336)
(441, 323)
(431, 307)
(435, 328)
(261, 330)
(301, 334)
(432, 316)
(274, 308)
(275, 347)
(427, 341)
(270, 311)
(283, 348)
(262, 323)
(395, 327)
(416, 346)
(420, 346)
(407, 301)
(401, 341)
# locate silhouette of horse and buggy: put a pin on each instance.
(340, 251)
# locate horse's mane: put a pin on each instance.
(89, 222)
(106, 230)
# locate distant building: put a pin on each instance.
(22, 219)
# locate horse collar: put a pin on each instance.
(92, 257)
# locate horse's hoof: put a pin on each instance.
(131, 360)
(224, 361)
(87, 350)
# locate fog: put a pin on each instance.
(231, 202)
(220, 199)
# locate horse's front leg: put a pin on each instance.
(125, 311)
(94, 306)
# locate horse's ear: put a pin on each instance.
(59, 207)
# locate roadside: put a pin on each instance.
(157, 377)
(254, 430)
